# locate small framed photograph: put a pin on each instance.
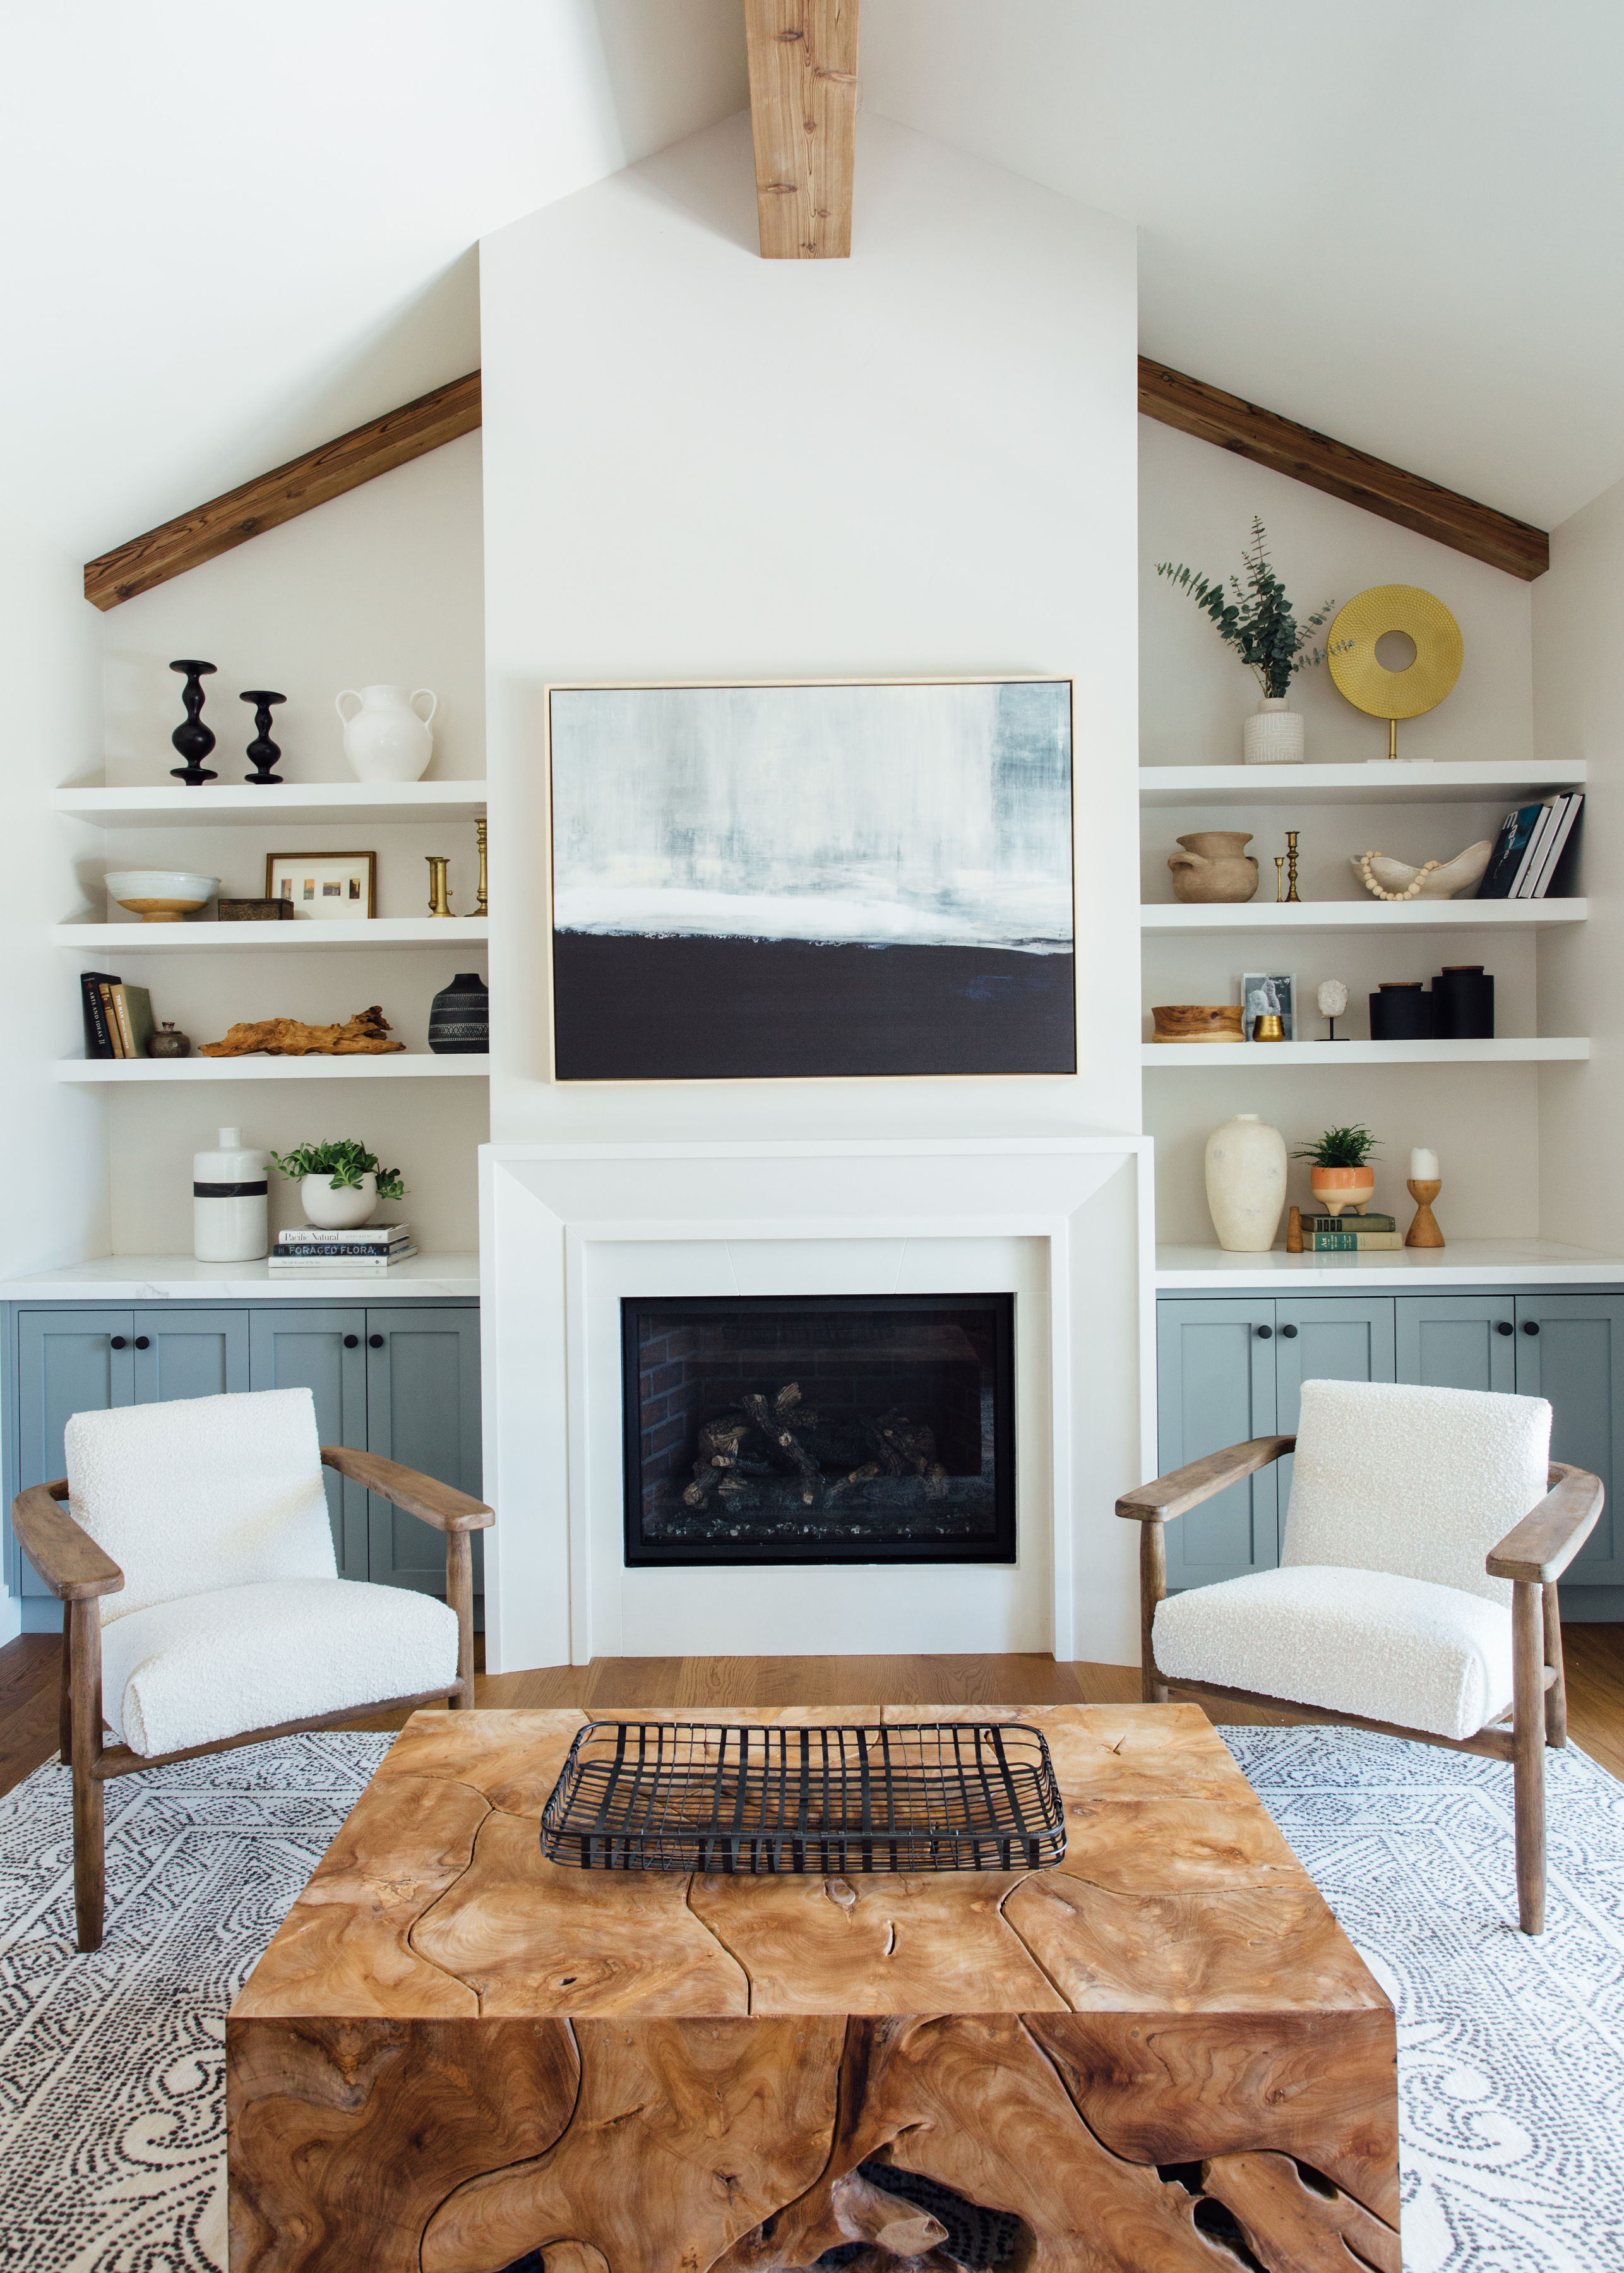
(324, 887)
(1255, 1000)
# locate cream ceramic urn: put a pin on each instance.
(1246, 1183)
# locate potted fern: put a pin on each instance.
(1342, 1176)
(340, 1182)
(1253, 615)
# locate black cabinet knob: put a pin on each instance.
(1529, 1327)
(353, 1342)
(374, 1341)
(143, 1341)
(1266, 1333)
(1503, 1326)
(1289, 1332)
(118, 1341)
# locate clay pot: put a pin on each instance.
(1336, 1188)
(1246, 1183)
(1196, 1021)
(1215, 865)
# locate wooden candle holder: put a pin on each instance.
(1424, 1231)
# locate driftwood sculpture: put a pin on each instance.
(362, 1036)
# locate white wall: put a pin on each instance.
(703, 464)
(1196, 505)
(1579, 710)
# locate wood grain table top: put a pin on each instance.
(1176, 1895)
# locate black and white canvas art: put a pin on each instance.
(754, 881)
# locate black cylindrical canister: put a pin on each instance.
(1401, 1011)
(1463, 1002)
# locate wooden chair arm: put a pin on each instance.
(1542, 1546)
(65, 1555)
(1186, 1488)
(447, 1510)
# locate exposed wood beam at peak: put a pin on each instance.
(803, 115)
(1194, 408)
(375, 448)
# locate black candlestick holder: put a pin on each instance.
(192, 739)
(262, 750)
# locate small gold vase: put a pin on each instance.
(440, 896)
(1267, 1027)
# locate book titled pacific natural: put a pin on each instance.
(773, 881)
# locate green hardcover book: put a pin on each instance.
(1354, 1242)
(1350, 1223)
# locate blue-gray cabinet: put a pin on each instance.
(1232, 1366)
(399, 1378)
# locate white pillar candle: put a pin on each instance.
(1423, 1166)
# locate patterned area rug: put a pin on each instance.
(1511, 2052)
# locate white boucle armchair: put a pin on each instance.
(203, 1605)
(1417, 1590)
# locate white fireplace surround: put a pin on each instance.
(567, 1230)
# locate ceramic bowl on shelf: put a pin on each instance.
(161, 895)
(1196, 1021)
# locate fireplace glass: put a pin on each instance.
(820, 1428)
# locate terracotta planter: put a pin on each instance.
(1336, 1188)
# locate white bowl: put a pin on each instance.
(161, 895)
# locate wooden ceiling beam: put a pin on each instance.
(1267, 439)
(803, 117)
(320, 475)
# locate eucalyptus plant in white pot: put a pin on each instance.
(1253, 616)
(340, 1182)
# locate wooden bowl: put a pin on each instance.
(1196, 1021)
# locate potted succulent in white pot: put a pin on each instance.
(1253, 616)
(340, 1182)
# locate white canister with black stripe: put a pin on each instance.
(230, 1209)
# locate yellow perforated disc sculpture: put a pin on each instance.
(1367, 682)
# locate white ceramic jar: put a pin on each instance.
(1272, 736)
(230, 1209)
(1246, 1183)
(386, 738)
(343, 1210)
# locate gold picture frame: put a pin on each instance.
(324, 887)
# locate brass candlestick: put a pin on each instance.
(479, 907)
(1279, 877)
(1291, 891)
(1424, 1231)
(440, 896)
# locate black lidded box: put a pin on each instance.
(1463, 1003)
(1401, 1010)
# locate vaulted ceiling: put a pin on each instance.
(233, 232)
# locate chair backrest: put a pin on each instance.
(201, 1493)
(1417, 1482)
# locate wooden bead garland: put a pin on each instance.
(1409, 891)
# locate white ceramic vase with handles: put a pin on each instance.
(386, 738)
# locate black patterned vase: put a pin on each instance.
(460, 1017)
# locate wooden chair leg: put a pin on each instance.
(65, 1711)
(1529, 1761)
(1153, 1589)
(84, 1653)
(1556, 1695)
(460, 1594)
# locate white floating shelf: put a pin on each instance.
(1508, 1049)
(102, 939)
(393, 1067)
(1361, 915)
(1382, 780)
(1463, 1262)
(298, 805)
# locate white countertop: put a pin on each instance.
(159, 1277)
(1465, 1263)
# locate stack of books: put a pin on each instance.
(118, 1018)
(1535, 852)
(342, 1254)
(1351, 1235)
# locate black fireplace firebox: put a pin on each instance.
(820, 1428)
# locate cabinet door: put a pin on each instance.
(1327, 1337)
(1216, 1380)
(66, 1364)
(189, 1354)
(1571, 1348)
(1457, 1341)
(325, 1352)
(422, 1410)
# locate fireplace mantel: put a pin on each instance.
(567, 1230)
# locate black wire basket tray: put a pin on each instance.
(888, 1796)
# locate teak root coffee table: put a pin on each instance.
(454, 2053)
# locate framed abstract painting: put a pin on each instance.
(780, 882)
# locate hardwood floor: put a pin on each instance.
(28, 1688)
